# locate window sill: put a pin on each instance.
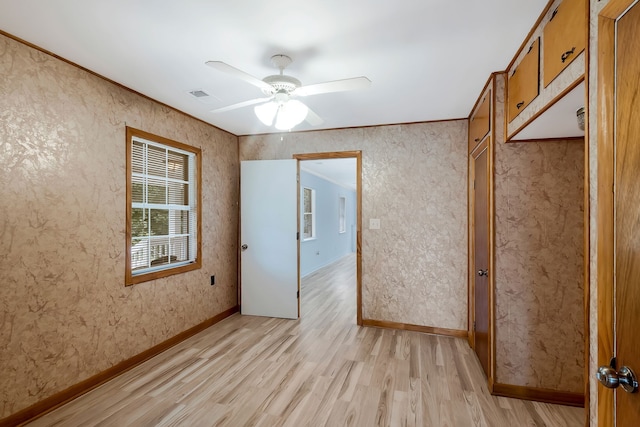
(309, 239)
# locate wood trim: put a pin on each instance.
(343, 155)
(416, 328)
(299, 239)
(480, 148)
(129, 278)
(358, 127)
(492, 234)
(539, 394)
(587, 226)
(565, 139)
(509, 138)
(505, 124)
(605, 206)
(52, 402)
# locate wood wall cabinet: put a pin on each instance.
(523, 84)
(480, 123)
(564, 37)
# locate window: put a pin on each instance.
(342, 219)
(163, 207)
(309, 214)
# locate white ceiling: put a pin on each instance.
(427, 59)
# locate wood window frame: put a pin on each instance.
(130, 278)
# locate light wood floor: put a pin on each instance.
(322, 370)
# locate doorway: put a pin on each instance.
(357, 224)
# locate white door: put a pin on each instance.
(268, 238)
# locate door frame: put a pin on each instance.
(485, 145)
(341, 155)
(605, 260)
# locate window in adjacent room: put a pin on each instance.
(309, 213)
(163, 207)
(342, 219)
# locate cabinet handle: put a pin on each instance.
(519, 104)
(567, 54)
(477, 140)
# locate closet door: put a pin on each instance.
(481, 313)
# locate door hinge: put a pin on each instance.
(474, 326)
(298, 294)
(298, 235)
(474, 184)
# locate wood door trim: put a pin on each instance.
(492, 242)
(416, 328)
(489, 144)
(587, 227)
(539, 394)
(52, 402)
(344, 155)
(605, 206)
(299, 239)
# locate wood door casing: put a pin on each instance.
(358, 156)
(481, 330)
(627, 210)
(606, 178)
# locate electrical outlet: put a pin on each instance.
(213, 280)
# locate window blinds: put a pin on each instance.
(163, 207)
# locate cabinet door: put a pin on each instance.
(524, 83)
(564, 37)
(480, 123)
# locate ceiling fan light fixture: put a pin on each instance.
(290, 114)
(266, 112)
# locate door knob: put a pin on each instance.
(610, 378)
(244, 247)
(483, 273)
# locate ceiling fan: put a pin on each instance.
(279, 107)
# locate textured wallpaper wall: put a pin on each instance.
(414, 181)
(65, 312)
(539, 205)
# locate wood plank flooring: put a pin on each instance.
(321, 370)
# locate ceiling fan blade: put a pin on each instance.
(312, 118)
(232, 71)
(334, 86)
(241, 104)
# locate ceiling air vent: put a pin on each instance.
(199, 93)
